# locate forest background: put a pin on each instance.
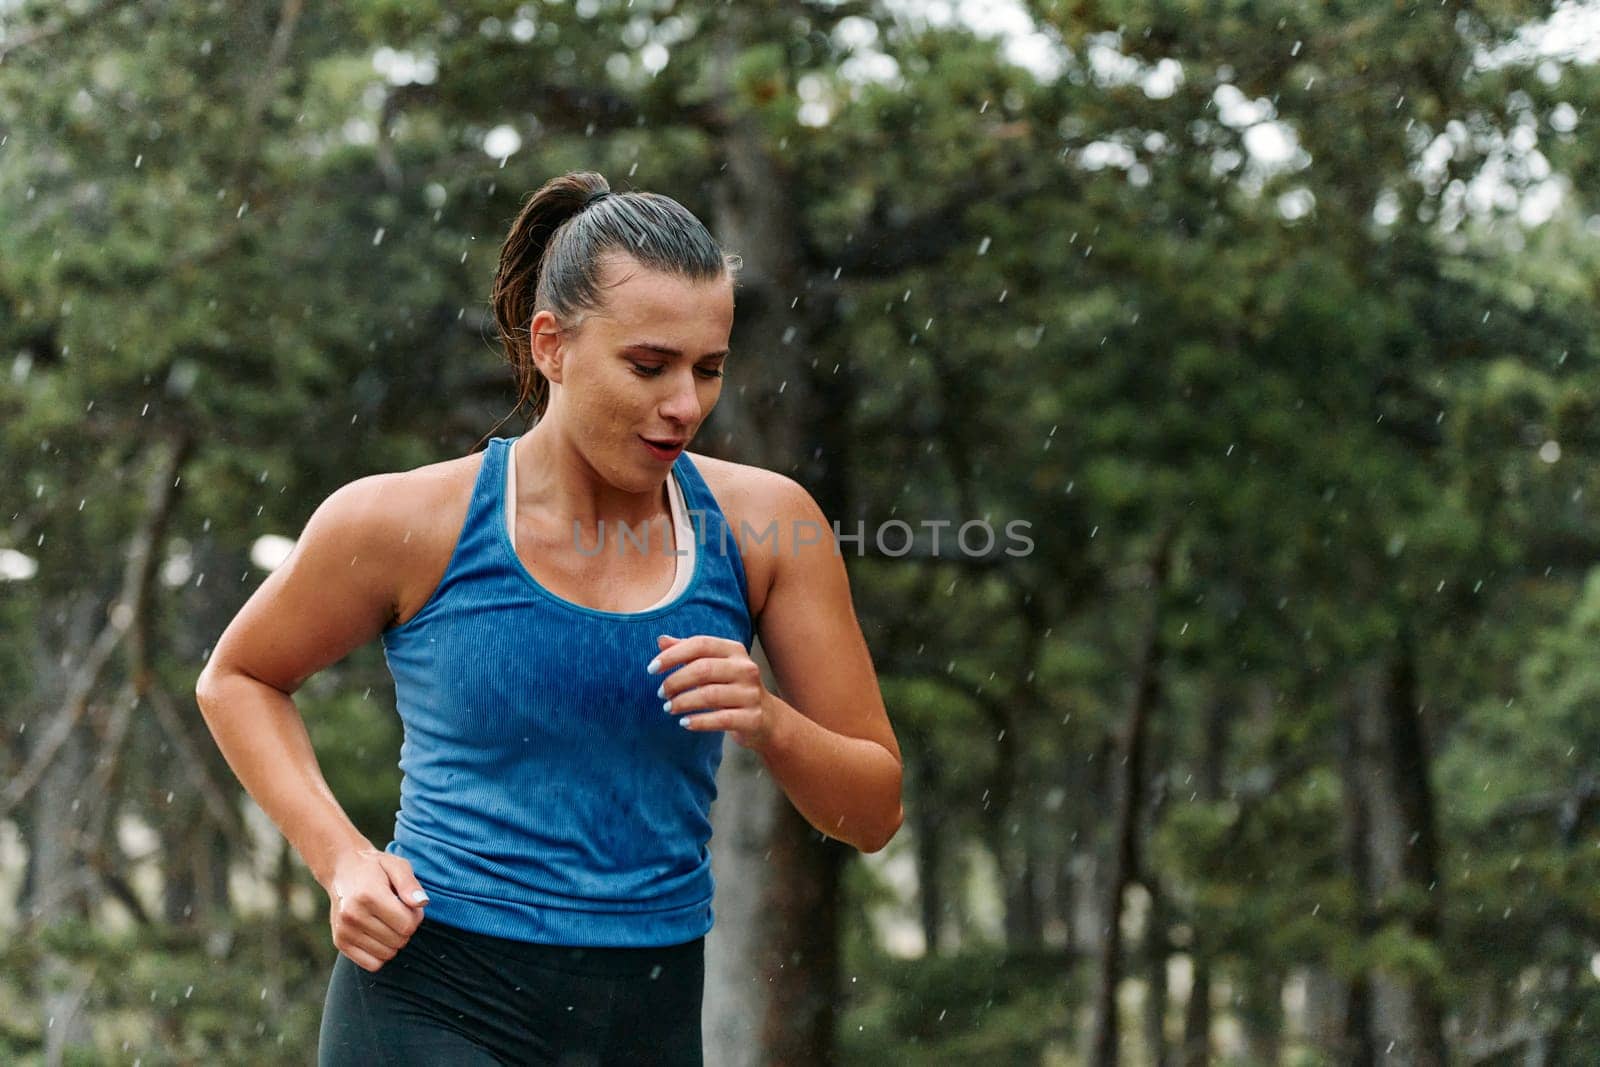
(1276, 320)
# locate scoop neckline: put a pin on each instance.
(504, 537)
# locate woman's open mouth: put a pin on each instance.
(664, 449)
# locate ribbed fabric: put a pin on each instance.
(546, 797)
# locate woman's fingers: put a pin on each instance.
(364, 923)
(734, 720)
(711, 696)
(704, 671)
(365, 953)
(683, 649)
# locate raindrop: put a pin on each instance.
(377, 238)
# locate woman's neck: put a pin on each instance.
(554, 482)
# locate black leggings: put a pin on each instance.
(451, 996)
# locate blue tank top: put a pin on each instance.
(546, 796)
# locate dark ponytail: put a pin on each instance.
(551, 260)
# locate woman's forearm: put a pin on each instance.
(846, 787)
(264, 739)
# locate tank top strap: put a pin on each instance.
(488, 506)
(716, 536)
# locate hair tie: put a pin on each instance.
(596, 198)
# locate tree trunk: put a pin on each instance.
(1326, 1010)
(57, 879)
(1261, 1013)
(1213, 761)
(1025, 928)
(1103, 1036)
(1156, 951)
(1356, 1042)
(927, 820)
(739, 944)
(1197, 1016)
(773, 970)
(62, 893)
(1390, 772)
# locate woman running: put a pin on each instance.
(568, 616)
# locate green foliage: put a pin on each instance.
(173, 997)
(982, 1003)
(1070, 300)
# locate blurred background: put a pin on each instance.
(1276, 320)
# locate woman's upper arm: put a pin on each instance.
(808, 625)
(336, 591)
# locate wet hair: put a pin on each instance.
(557, 247)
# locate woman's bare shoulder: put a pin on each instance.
(763, 508)
(408, 501)
(741, 482)
(411, 518)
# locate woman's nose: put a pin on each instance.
(683, 403)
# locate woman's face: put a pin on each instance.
(644, 366)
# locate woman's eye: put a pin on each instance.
(647, 370)
(707, 372)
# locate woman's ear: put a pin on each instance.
(544, 336)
